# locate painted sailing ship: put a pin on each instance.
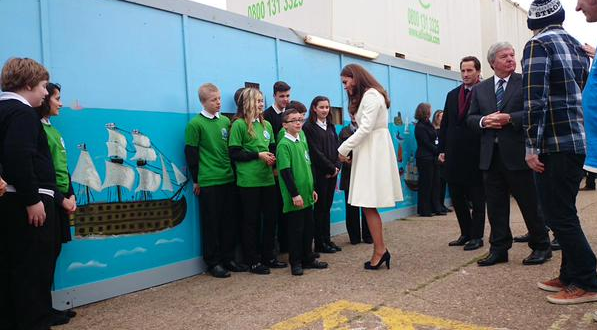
(117, 214)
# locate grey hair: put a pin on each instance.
(495, 48)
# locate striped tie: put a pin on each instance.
(499, 94)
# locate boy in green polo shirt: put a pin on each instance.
(298, 195)
(206, 150)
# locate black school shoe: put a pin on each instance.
(275, 263)
(334, 246)
(296, 270)
(69, 312)
(315, 264)
(236, 267)
(219, 271)
(259, 269)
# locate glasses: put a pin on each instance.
(296, 121)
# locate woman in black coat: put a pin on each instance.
(426, 156)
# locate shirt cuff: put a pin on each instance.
(532, 151)
(481, 122)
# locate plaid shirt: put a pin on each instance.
(554, 70)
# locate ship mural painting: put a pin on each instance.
(146, 210)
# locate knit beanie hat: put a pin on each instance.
(545, 12)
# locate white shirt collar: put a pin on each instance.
(46, 120)
(322, 124)
(209, 115)
(292, 138)
(276, 109)
(13, 96)
(496, 80)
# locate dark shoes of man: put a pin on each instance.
(473, 244)
(521, 239)
(259, 269)
(275, 263)
(324, 248)
(537, 257)
(61, 317)
(493, 258)
(298, 269)
(236, 267)
(334, 246)
(555, 245)
(219, 271)
(460, 241)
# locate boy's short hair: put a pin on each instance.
(281, 86)
(298, 106)
(19, 73)
(205, 89)
(289, 112)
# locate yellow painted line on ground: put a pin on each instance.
(332, 317)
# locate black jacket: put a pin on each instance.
(426, 137)
(511, 137)
(24, 152)
(460, 145)
(323, 148)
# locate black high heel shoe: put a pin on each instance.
(385, 258)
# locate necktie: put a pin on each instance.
(499, 94)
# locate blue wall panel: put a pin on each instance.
(21, 30)
(229, 58)
(310, 72)
(438, 89)
(116, 55)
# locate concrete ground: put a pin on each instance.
(429, 286)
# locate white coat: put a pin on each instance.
(374, 180)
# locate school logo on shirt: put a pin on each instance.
(266, 135)
(224, 134)
(307, 157)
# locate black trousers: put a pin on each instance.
(470, 220)
(259, 223)
(26, 255)
(218, 223)
(325, 197)
(300, 236)
(429, 187)
(356, 222)
(499, 184)
(558, 186)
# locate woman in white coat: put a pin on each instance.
(375, 181)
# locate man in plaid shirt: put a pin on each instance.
(555, 69)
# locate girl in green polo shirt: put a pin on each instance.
(64, 195)
(252, 148)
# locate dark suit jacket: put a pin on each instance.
(511, 137)
(460, 144)
(425, 135)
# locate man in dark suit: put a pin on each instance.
(496, 111)
(459, 152)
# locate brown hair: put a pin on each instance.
(473, 59)
(363, 80)
(19, 73)
(300, 107)
(281, 86)
(423, 111)
(313, 115)
(289, 112)
(44, 109)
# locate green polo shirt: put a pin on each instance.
(58, 151)
(295, 155)
(254, 173)
(282, 132)
(210, 136)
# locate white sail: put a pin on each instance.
(116, 137)
(119, 175)
(166, 184)
(85, 172)
(116, 150)
(141, 140)
(143, 148)
(148, 180)
(180, 178)
(147, 154)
